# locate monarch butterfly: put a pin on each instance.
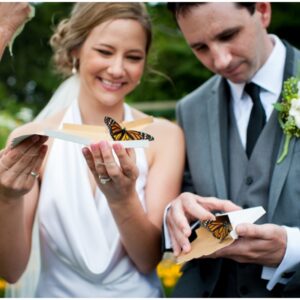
(121, 134)
(219, 228)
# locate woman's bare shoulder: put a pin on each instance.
(159, 125)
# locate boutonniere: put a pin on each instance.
(289, 113)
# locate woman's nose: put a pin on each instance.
(116, 67)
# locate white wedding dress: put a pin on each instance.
(81, 251)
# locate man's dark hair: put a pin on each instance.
(181, 8)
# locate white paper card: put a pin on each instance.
(249, 215)
(80, 139)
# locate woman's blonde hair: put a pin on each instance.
(71, 33)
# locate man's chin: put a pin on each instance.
(237, 79)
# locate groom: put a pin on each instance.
(233, 141)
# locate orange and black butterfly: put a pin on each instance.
(118, 133)
(219, 228)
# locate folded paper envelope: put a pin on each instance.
(88, 134)
(206, 243)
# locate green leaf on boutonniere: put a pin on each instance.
(279, 107)
(289, 113)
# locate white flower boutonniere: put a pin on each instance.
(289, 113)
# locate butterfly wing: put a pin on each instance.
(138, 135)
(115, 129)
(121, 134)
(219, 229)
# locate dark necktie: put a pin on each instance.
(257, 119)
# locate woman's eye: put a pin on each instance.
(104, 52)
(135, 57)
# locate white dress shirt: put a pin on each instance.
(269, 78)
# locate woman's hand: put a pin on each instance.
(20, 166)
(12, 15)
(117, 181)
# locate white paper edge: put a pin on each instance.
(249, 215)
(86, 141)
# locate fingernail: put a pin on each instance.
(240, 230)
(84, 151)
(103, 145)
(186, 247)
(186, 232)
(117, 147)
(94, 147)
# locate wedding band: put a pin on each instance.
(104, 180)
(34, 174)
(3, 165)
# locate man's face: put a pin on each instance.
(227, 39)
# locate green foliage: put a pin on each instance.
(27, 78)
(287, 112)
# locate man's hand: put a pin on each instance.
(186, 208)
(260, 244)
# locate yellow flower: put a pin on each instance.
(168, 271)
(2, 284)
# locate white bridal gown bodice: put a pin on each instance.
(81, 251)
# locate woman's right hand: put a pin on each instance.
(20, 167)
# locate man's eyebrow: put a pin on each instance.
(222, 34)
(227, 32)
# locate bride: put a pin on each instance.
(97, 210)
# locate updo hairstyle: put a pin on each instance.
(71, 33)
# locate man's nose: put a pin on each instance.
(221, 58)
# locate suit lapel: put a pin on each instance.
(217, 111)
(281, 170)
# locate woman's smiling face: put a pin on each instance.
(112, 61)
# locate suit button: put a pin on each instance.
(249, 180)
(244, 290)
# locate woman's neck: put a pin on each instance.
(94, 113)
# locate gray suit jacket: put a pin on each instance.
(203, 115)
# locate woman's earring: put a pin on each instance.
(74, 65)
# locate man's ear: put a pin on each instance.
(265, 11)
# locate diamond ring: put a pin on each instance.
(104, 179)
(34, 174)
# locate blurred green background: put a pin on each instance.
(27, 79)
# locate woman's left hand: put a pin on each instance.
(116, 181)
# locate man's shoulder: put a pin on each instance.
(292, 50)
(202, 92)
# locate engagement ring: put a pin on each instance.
(34, 174)
(104, 180)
